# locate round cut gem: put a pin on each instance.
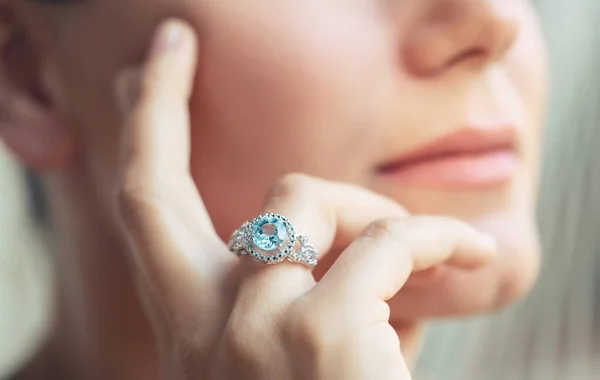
(269, 241)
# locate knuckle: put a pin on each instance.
(151, 98)
(128, 88)
(386, 228)
(242, 335)
(293, 183)
(307, 329)
(400, 237)
(237, 339)
(147, 81)
(134, 199)
(191, 365)
(415, 229)
(290, 186)
(381, 311)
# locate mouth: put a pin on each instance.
(467, 159)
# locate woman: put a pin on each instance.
(436, 106)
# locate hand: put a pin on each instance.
(217, 316)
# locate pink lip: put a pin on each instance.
(469, 158)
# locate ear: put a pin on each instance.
(29, 124)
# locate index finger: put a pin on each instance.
(377, 264)
(174, 244)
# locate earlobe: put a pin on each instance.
(29, 125)
(36, 136)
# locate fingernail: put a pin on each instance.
(168, 36)
(127, 88)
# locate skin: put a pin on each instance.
(219, 317)
(339, 87)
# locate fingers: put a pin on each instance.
(174, 242)
(378, 263)
(154, 99)
(371, 352)
(451, 294)
(455, 293)
(328, 213)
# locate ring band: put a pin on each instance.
(272, 239)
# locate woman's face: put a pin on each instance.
(354, 91)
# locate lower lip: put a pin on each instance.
(474, 170)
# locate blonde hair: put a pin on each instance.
(555, 334)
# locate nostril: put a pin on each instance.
(456, 35)
(429, 60)
(475, 56)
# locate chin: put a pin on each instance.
(521, 275)
(454, 292)
(516, 268)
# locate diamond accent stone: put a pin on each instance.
(307, 253)
(238, 238)
(266, 241)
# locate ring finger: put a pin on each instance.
(328, 213)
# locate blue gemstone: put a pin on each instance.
(269, 241)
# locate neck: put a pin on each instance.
(101, 329)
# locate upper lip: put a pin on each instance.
(470, 140)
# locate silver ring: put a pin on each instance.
(272, 239)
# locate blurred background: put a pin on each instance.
(553, 334)
(25, 271)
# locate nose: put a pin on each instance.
(458, 33)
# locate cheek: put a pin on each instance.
(95, 40)
(529, 67)
(292, 98)
(308, 88)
